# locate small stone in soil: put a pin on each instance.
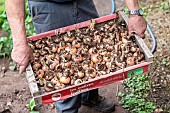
(168, 76)
(52, 106)
(159, 110)
(3, 68)
(16, 91)
(2, 74)
(9, 104)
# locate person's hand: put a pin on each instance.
(137, 24)
(22, 54)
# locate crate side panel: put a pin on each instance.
(31, 81)
(93, 84)
(71, 27)
(70, 92)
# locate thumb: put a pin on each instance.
(131, 30)
(22, 68)
(31, 58)
(142, 35)
(131, 33)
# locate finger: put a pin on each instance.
(141, 34)
(22, 69)
(25, 60)
(31, 58)
(131, 33)
(23, 66)
(143, 37)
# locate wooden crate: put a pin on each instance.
(45, 98)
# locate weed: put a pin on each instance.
(135, 95)
(31, 105)
(164, 5)
(5, 46)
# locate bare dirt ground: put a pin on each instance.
(160, 74)
(15, 94)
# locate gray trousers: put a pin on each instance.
(51, 15)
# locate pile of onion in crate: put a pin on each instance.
(77, 56)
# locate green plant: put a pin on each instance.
(31, 105)
(164, 5)
(2, 6)
(5, 46)
(145, 13)
(4, 23)
(135, 95)
(29, 24)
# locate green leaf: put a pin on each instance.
(1, 45)
(121, 94)
(28, 19)
(164, 61)
(5, 27)
(142, 112)
(126, 10)
(31, 104)
(164, 5)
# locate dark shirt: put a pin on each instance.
(60, 1)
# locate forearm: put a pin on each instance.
(15, 10)
(132, 4)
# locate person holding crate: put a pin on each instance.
(52, 14)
